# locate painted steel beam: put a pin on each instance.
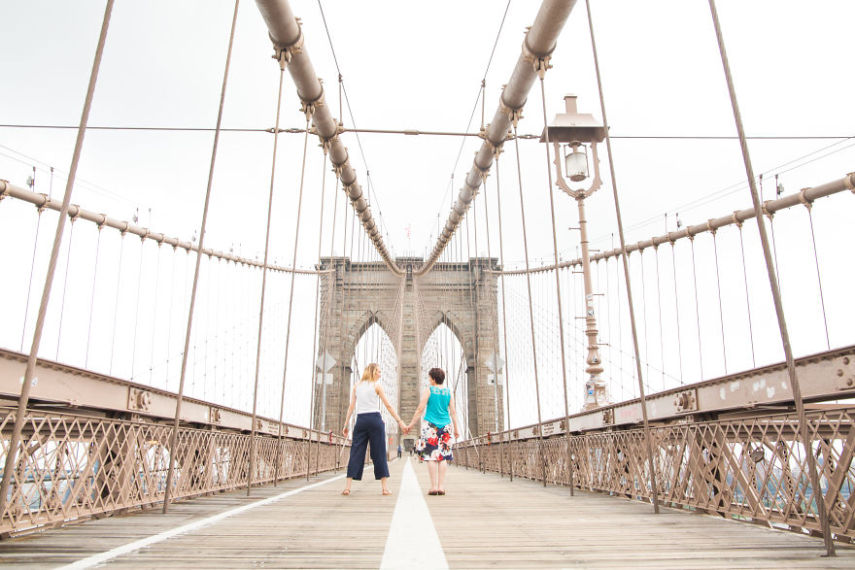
(824, 376)
(61, 386)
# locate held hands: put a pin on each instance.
(404, 427)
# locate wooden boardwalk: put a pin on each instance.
(483, 522)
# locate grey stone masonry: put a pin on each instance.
(461, 295)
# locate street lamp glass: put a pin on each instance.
(576, 163)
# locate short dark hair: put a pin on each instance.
(437, 374)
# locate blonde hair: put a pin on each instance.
(371, 372)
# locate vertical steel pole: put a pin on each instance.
(23, 400)
(804, 435)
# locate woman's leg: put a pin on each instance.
(357, 451)
(432, 471)
(442, 469)
(378, 447)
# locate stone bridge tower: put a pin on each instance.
(409, 308)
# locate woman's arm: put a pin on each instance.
(452, 411)
(350, 410)
(379, 389)
(420, 410)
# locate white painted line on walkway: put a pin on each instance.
(412, 540)
(142, 543)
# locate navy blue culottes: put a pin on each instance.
(369, 428)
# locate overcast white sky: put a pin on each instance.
(412, 65)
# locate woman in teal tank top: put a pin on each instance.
(434, 445)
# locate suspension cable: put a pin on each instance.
(314, 372)
(530, 307)
(541, 73)
(29, 373)
(776, 294)
(654, 491)
(180, 397)
(39, 211)
(65, 287)
(659, 308)
(697, 309)
(747, 297)
(720, 308)
(263, 293)
(809, 207)
(294, 263)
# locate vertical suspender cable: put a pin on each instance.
(659, 307)
(530, 307)
(315, 339)
(697, 308)
(644, 317)
(322, 406)
(747, 299)
(495, 347)
(677, 313)
(154, 312)
(116, 304)
(809, 207)
(477, 336)
(169, 320)
(137, 310)
(504, 317)
(27, 384)
(32, 270)
(65, 286)
(180, 397)
(92, 297)
(654, 494)
(776, 295)
(541, 72)
(263, 294)
(720, 308)
(293, 275)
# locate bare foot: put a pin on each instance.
(346, 492)
(387, 492)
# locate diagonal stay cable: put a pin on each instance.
(352, 119)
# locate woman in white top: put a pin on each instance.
(365, 398)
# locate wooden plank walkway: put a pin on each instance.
(483, 522)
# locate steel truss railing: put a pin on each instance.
(73, 467)
(751, 467)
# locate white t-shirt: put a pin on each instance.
(367, 400)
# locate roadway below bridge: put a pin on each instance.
(483, 521)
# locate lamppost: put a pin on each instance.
(570, 132)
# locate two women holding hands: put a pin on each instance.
(434, 445)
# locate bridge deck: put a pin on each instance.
(483, 521)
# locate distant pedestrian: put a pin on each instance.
(365, 398)
(434, 445)
(400, 450)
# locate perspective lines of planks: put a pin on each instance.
(483, 521)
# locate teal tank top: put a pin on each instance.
(437, 406)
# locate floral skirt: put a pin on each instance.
(434, 443)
